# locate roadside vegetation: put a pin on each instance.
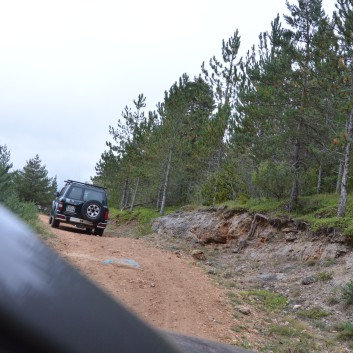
(140, 215)
(270, 131)
(318, 211)
(28, 191)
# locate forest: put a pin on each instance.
(276, 123)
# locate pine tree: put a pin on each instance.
(33, 184)
(261, 128)
(126, 154)
(5, 175)
(344, 25)
(305, 21)
(185, 117)
(224, 79)
(284, 110)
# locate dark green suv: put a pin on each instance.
(80, 204)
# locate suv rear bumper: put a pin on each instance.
(79, 221)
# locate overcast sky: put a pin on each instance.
(68, 68)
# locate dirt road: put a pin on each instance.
(165, 289)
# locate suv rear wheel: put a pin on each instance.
(92, 210)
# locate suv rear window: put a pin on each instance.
(94, 195)
(84, 194)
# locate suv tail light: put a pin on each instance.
(106, 215)
(60, 206)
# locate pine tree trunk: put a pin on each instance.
(296, 164)
(345, 171)
(134, 195)
(158, 197)
(304, 97)
(319, 179)
(165, 186)
(339, 177)
(124, 198)
(218, 167)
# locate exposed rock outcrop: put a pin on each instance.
(253, 233)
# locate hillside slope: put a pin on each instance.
(283, 280)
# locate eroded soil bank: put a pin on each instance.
(259, 258)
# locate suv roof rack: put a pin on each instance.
(69, 181)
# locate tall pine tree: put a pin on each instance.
(33, 184)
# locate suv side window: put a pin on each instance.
(75, 193)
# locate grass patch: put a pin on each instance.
(143, 216)
(294, 345)
(228, 284)
(328, 262)
(330, 223)
(113, 212)
(320, 211)
(333, 299)
(43, 231)
(256, 205)
(270, 301)
(291, 336)
(246, 344)
(234, 298)
(313, 313)
(290, 328)
(239, 328)
(345, 331)
(286, 331)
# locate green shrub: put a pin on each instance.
(324, 276)
(217, 187)
(345, 331)
(347, 293)
(273, 179)
(27, 211)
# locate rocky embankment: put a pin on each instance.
(255, 235)
(254, 251)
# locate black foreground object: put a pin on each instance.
(48, 306)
